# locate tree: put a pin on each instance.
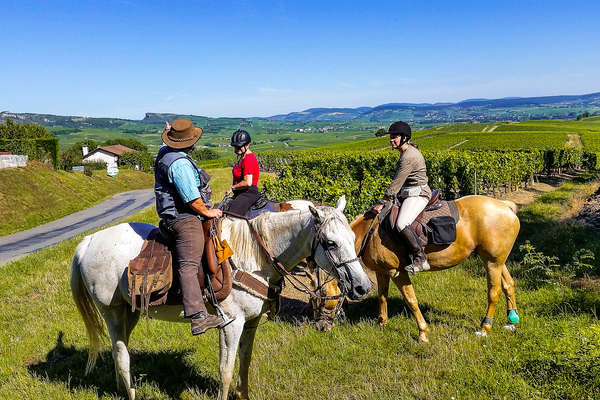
(583, 115)
(142, 159)
(13, 130)
(381, 132)
(204, 154)
(131, 143)
(73, 155)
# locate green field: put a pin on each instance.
(503, 136)
(36, 194)
(554, 354)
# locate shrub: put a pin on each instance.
(142, 159)
(31, 140)
(204, 154)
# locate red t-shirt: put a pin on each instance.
(248, 166)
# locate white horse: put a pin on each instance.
(99, 280)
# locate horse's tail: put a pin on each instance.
(511, 205)
(85, 304)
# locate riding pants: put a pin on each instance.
(189, 247)
(243, 200)
(410, 209)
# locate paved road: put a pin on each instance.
(113, 209)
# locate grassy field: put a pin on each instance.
(495, 136)
(37, 194)
(554, 354)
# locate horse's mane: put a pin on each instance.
(270, 227)
(244, 244)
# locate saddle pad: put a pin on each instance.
(253, 213)
(150, 274)
(442, 208)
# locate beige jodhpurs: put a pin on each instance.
(411, 208)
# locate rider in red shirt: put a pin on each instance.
(245, 174)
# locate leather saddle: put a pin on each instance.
(434, 208)
(150, 274)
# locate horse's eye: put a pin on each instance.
(331, 244)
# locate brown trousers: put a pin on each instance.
(189, 246)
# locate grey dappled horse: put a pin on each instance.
(99, 280)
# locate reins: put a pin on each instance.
(279, 268)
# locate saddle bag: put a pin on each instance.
(442, 230)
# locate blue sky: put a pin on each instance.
(258, 58)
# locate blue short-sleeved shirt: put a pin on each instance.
(185, 178)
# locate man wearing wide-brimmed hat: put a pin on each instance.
(183, 202)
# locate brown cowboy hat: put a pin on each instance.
(182, 134)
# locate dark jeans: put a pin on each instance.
(243, 200)
(189, 246)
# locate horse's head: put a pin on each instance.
(333, 250)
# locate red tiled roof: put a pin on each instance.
(117, 149)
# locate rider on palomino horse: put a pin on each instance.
(410, 187)
(182, 202)
(245, 175)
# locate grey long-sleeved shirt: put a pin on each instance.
(410, 171)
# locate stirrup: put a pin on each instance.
(424, 267)
(226, 319)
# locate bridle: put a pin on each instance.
(318, 240)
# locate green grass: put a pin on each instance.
(542, 223)
(554, 354)
(37, 194)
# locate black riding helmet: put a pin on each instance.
(240, 138)
(402, 129)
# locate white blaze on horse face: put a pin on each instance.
(338, 241)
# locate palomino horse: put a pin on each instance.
(99, 280)
(486, 226)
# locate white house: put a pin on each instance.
(106, 154)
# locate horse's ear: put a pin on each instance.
(316, 213)
(341, 203)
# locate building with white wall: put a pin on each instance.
(106, 154)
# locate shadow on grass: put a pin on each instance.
(166, 370)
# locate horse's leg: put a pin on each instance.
(494, 283)
(229, 339)
(402, 280)
(119, 328)
(508, 287)
(246, 345)
(383, 286)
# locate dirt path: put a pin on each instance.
(574, 141)
(525, 196)
(458, 144)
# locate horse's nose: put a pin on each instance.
(361, 290)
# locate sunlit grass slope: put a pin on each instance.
(554, 354)
(37, 194)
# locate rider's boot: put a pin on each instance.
(419, 259)
(202, 322)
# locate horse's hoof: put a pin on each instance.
(238, 395)
(324, 326)
(131, 394)
(510, 327)
(423, 338)
(481, 334)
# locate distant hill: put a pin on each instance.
(473, 110)
(482, 110)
